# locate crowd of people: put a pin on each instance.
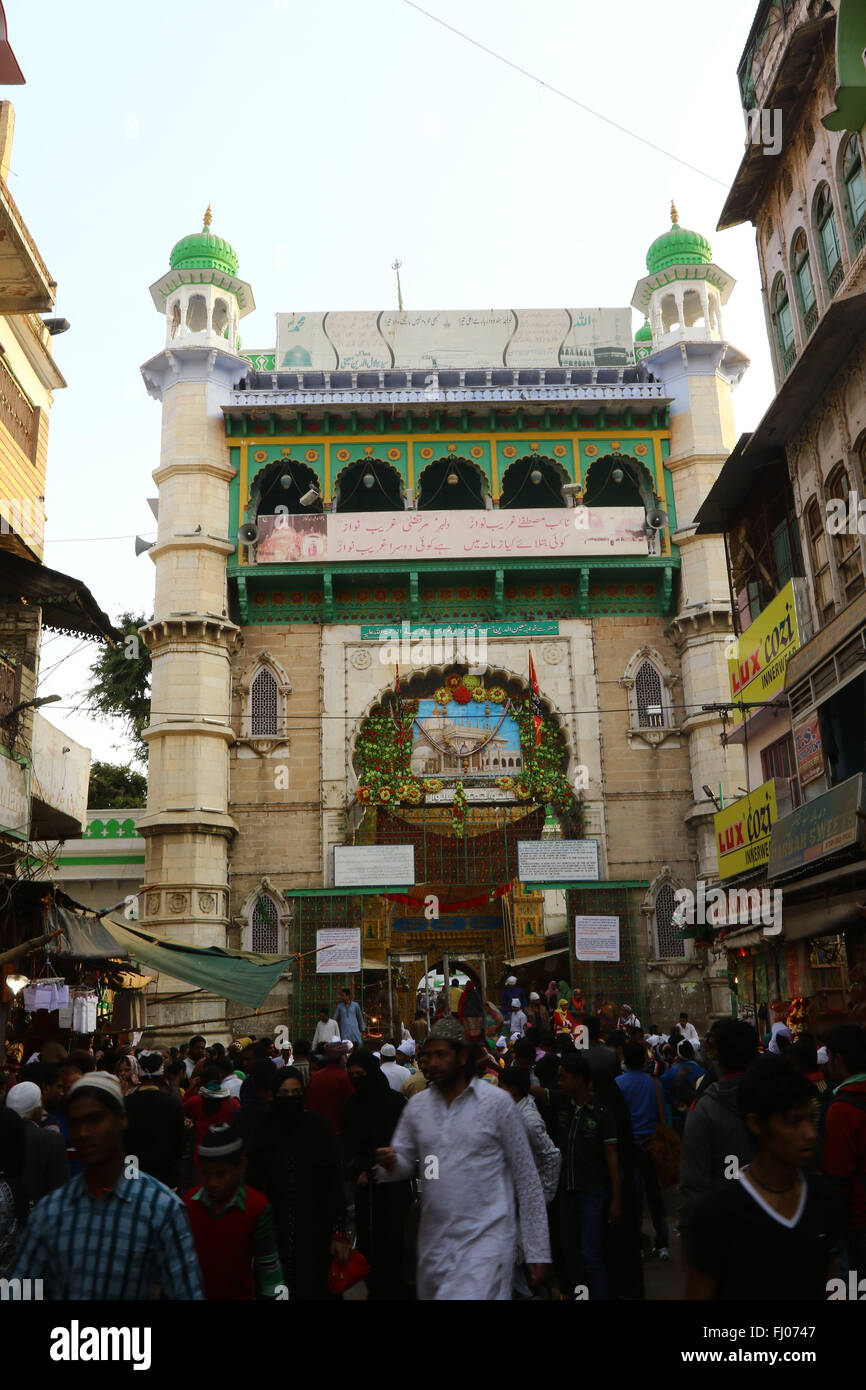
(457, 1161)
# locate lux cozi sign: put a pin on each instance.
(758, 659)
(743, 831)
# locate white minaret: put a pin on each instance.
(682, 297)
(187, 827)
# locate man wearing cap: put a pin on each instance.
(391, 1069)
(466, 1142)
(155, 1133)
(113, 1232)
(511, 991)
(45, 1161)
(232, 1224)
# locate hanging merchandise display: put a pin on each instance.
(49, 994)
(84, 1005)
(129, 1011)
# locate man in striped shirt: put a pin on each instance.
(113, 1232)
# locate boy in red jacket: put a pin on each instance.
(232, 1224)
(845, 1136)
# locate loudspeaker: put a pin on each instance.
(656, 520)
(142, 546)
(248, 533)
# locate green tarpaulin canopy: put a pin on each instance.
(244, 977)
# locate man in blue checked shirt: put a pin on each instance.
(113, 1232)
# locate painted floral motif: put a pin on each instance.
(261, 455)
(393, 453)
(342, 455)
(476, 451)
(426, 452)
(640, 449)
(509, 451)
(311, 455)
(591, 450)
(560, 451)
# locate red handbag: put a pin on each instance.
(342, 1277)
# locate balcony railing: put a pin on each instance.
(860, 234)
(810, 321)
(17, 415)
(788, 359)
(835, 277)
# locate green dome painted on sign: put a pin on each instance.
(644, 333)
(679, 246)
(204, 251)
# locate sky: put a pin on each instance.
(331, 138)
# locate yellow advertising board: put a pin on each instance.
(758, 659)
(743, 832)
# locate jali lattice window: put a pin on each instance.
(265, 926)
(668, 944)
(264, 705)
(648, 697)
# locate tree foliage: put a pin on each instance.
(116, 786)
(120, 683)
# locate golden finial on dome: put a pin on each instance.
(208, 218)
(675, 217)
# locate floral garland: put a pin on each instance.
(383, 762)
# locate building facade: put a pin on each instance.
(370, 533)
(789, 499)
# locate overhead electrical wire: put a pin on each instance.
(566, 96)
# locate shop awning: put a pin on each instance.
(243, 977)
(542, 955)
(67, 604)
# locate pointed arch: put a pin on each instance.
(264, 688)
(533, 481)
(435, 492)
(282, 484)
(265, 917)
(650, 683)
(369, 485)
(658, 908)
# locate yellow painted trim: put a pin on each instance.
(327, 472)
(410, 463)
(269, 441)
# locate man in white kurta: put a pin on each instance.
(475, 1168)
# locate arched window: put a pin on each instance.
(532, 482)
(846, 546)
(264, 925)
(783, 321)
(855, 190)
(649, 699)
(670, 314)
(803, 281)
(822, 578)
(175, 318)
(220, 322)
(264, 711)
(369, 485)
(451, 484)
(667, 943)
(828, 239)
(196, 313)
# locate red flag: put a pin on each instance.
(535, 701)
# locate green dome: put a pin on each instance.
(644, 333)
(679, 246)
(204, 251)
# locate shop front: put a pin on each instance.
(818, 864)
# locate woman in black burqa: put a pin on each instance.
(367, 1123)
(294, 1159)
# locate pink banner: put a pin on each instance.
(335, 536)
